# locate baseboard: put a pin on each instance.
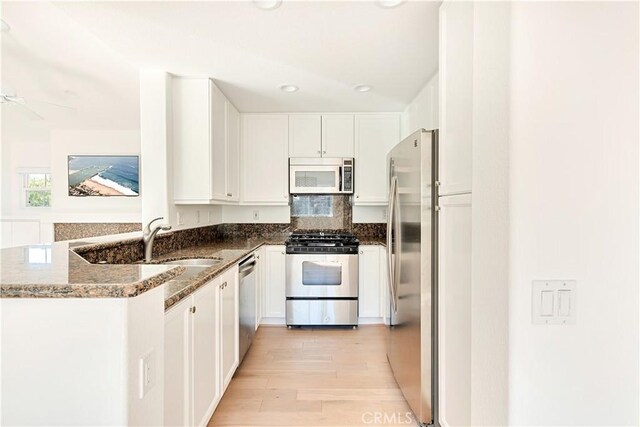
(273, 321)
(370, 321)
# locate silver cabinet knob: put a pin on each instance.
(324, 152)
(319, 152)
(229, 195)
(361, 252)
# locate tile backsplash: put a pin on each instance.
(321, 212)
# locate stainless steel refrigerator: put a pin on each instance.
(412, 263)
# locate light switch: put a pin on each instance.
(553, 302)
(564, 303)
(546, 303)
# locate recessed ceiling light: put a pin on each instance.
(4, 27)
(390, 4)
(362, 88)
(267, 4)
(289, 88)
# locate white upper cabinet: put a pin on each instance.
(205, 143)
(304, 135)
(218, 120)
(456, 97)
(337, 135)
(376, 135)
(233, 153)
(321, 135)
(265, 166)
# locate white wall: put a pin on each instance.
(98, 209)
(574, 210)
(422, 112)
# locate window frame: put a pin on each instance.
(25, 189)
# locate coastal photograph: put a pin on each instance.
(104, 176)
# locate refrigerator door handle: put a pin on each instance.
(390, 221)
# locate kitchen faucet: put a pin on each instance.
(149, 235)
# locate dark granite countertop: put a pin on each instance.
(231, 252)
(55, 271)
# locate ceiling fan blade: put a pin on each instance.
(27, 111)
(53, 104)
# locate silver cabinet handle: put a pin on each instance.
(361, 253)
(193, 309)
(229, 195)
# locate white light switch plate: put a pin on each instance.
(553, 302)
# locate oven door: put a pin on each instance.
(309, 179)
(321, 276)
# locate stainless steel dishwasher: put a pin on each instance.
(248, 283)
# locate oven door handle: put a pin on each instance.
(325, 263)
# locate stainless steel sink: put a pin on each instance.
(193, 261)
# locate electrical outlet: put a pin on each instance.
(180, 218)
(197, 217)
(147, 373)
(256, 215)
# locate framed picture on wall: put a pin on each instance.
(104, 176)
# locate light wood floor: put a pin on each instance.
(314, 377)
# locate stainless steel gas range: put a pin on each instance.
(322, 279)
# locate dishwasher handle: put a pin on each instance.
(247, 266)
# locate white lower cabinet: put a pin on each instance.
(274, 284)
(177, 367)
(372, 284)
(229, 325)
(260, 260)
(201, 351)
(454, 309)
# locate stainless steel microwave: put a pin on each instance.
(321, 175)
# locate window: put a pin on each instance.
(37, 190)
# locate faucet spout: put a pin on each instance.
(148, 236)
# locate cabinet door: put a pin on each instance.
(177, 365)
(369, 282)
(260, 261)
(304, 135)
(218, 110)
(233, 153)
(337, 135)
(375, 135)
(454, 277)
(385, 291)
(229, 325)
(265, 159)
(191, 140)
(274, 289)
(206, 382)
(456, 96)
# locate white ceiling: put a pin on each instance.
(325, 47)
(49, 57)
